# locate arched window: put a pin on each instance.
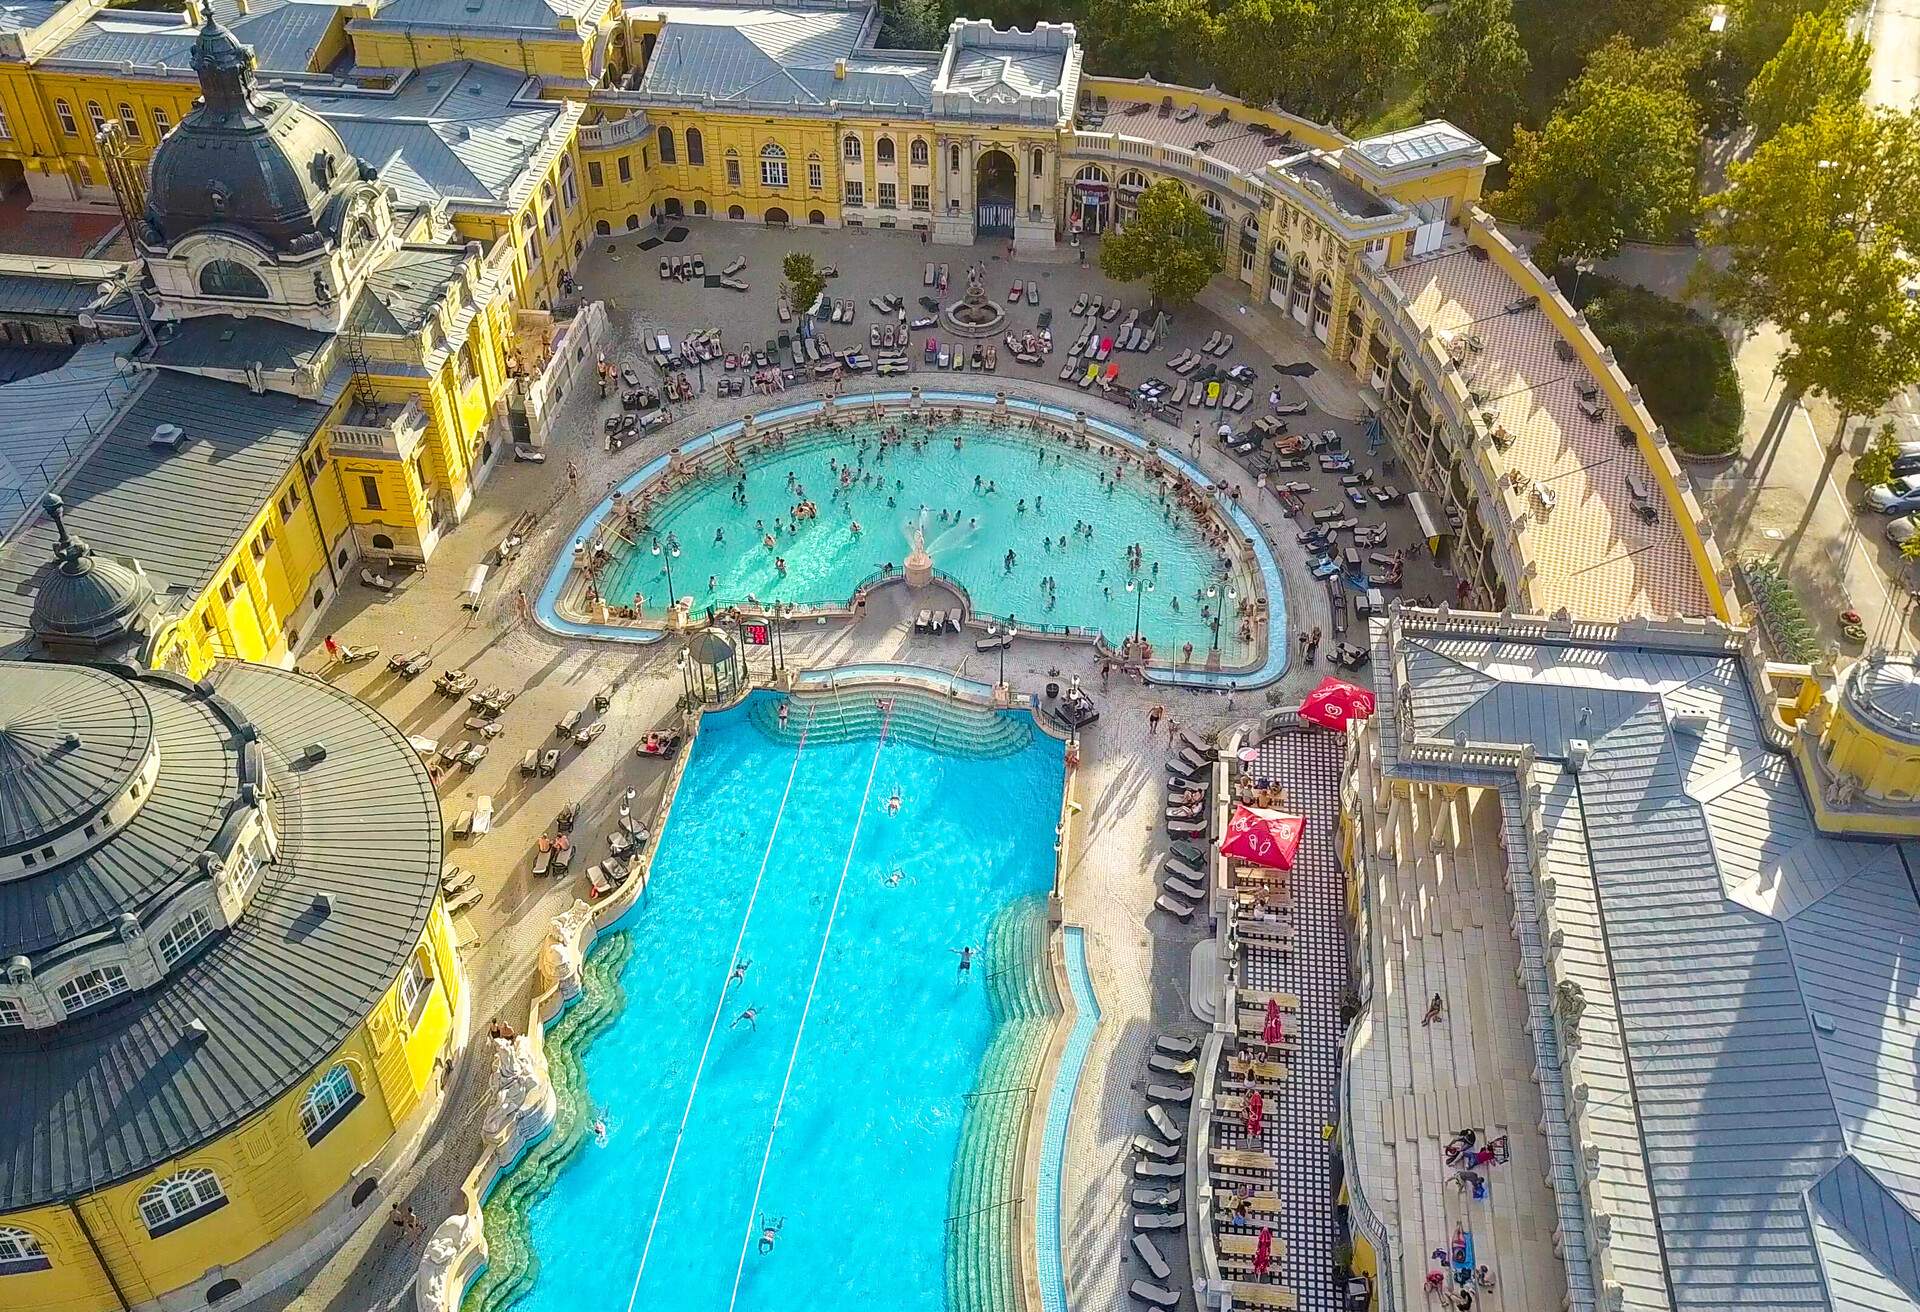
(953, 158)
(696, 152)
(699, 209)
(917, 153)
(602, 227)
(20, 1252)
(416, 986)
(736, 212)
(1039, 163)
(883, 151)
(327, 1103)
(180, 1199)
(773, 166)
(850, 150)
(666, 146)
(94, 116)
(130, 121)
(161, 123)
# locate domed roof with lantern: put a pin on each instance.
(248, 158)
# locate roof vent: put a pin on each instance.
(839, 70)
(1823, 1022)
(322, 904)
(314, 753)
(167, 436)
(195, 1031)
(1692, 723)
(1578, 750)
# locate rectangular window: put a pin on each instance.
(816, 178)
(184, 936)
(856, 195)
(161, 123)
(226, 590)
(889, 196)
(370, 492)
(86, 173)
(11, 1015)
(64, 112)
(773, 172)
(416, 986)
(130, 121)
(625, 164)
(922, 196)
(569, 190)
(242, 877)
(530, 249)
(733, 171)
(593, 173)
(91, 988)
(6, 129)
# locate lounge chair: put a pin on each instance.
(1157, 1116)
(1153, 1295)
(1158, 1170)
(923, 622)
(1182, 1067)
(1080, 304)
(1147, 1147)
(1208, 346)
(1151, 1197)
(1187, 827)
(1170, 1093)
(1173, 906)
(1175, 866)
(378, 582)
(1184, 889)
(1158, 1221)
(1156, 1264)
(1225, 345)
(1177, 1045)
(926, 275)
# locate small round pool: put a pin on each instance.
(1033, 521)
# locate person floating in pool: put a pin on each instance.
(780, 565)
(893, 879)
(769, 1231)
(966, 960)
(749, 1016)
(719, 536)
(1009, 560)
(856, 528)
(739, 973)
(893, 802)
(600, 1130)
(783, 715)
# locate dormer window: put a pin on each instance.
(231, 279)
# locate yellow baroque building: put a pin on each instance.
(230, 980)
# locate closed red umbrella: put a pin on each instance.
(1335, 702)
(1263, 1252)
(1270, 1031)
(1256, 1107)
(1266, 838)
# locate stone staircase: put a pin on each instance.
(986, 1215)
(1440, 927)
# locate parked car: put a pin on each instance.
(1896, 498)
(1903, 530)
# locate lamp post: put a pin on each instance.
(1139, 589)
(667, 556)
(1220, 611)
(994, 631)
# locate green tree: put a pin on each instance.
(1875, 465)
(1358, 51)
(804, 279)
(1615, 161)
(1171, 39)
(1168, 245)
(914, 24)
(1473, 67)
(1821, 61)
(1561, 34)
(1260, 48)
(1757, 29)
(1817, 227)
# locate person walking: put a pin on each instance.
(1153, 717)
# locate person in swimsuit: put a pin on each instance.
(966, 959)
(747, 1016)
(739, 973)
(769, 1231)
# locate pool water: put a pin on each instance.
(787, 850)
(723, 560)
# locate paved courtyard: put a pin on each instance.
(1138, 955)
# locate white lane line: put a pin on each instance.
(719, 1006)
(753, 1210)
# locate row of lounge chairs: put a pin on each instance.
(1156, 1195)
(1184, 881)
(938, 621)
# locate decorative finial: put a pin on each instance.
(57, 511)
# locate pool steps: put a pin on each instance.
(987, 1219)
(921, 718)
(512, 1265)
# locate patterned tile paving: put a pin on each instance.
(1307, 763)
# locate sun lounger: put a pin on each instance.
(455, 881)
(1175, 866)
(1150, 1255)
(465, 902)
(542, 860)
(1148, 1147)
(1150, 1197)
(1172, 1093)
(1154, 1295)
(378, 582)
(1158, 1170)
(1173, 906)
(1182, 1067)
(1212, 341)
(1159, 1221)
(1157, 1116)
(1176, 1045)
(1174, 884)
(1184, 827)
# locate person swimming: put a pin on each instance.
(893, 803)
(600, 1130)
(749, 1016)
(966, 959)
(769, 1231)
(739, 973)
(893, 879)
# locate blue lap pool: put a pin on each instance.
(851, 1091)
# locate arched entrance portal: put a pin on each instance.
(777, 217)
(993, 195)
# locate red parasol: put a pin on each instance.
(1263, 1252)
(1267, 838)
(1270, 1031)
(1256, 1106)
(1335, 702)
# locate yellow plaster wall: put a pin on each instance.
(274, 1180)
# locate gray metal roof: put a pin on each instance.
(458, 131)
(1760, 973)
(25, 15)
(54, 418)
(987, 73)
(538, 16)
(226, 341)
(117, 1092)
(54, 294)
(398, 297)
(783, 56)
(71, 740)
(1885, 691)
(131, 499)
(286, 36)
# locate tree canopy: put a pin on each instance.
(1614, 161)
(1817, 226)
(1168, 244)
(1474, 68)
(1820, 61)
(804, 278)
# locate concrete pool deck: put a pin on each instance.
(1137, 957)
